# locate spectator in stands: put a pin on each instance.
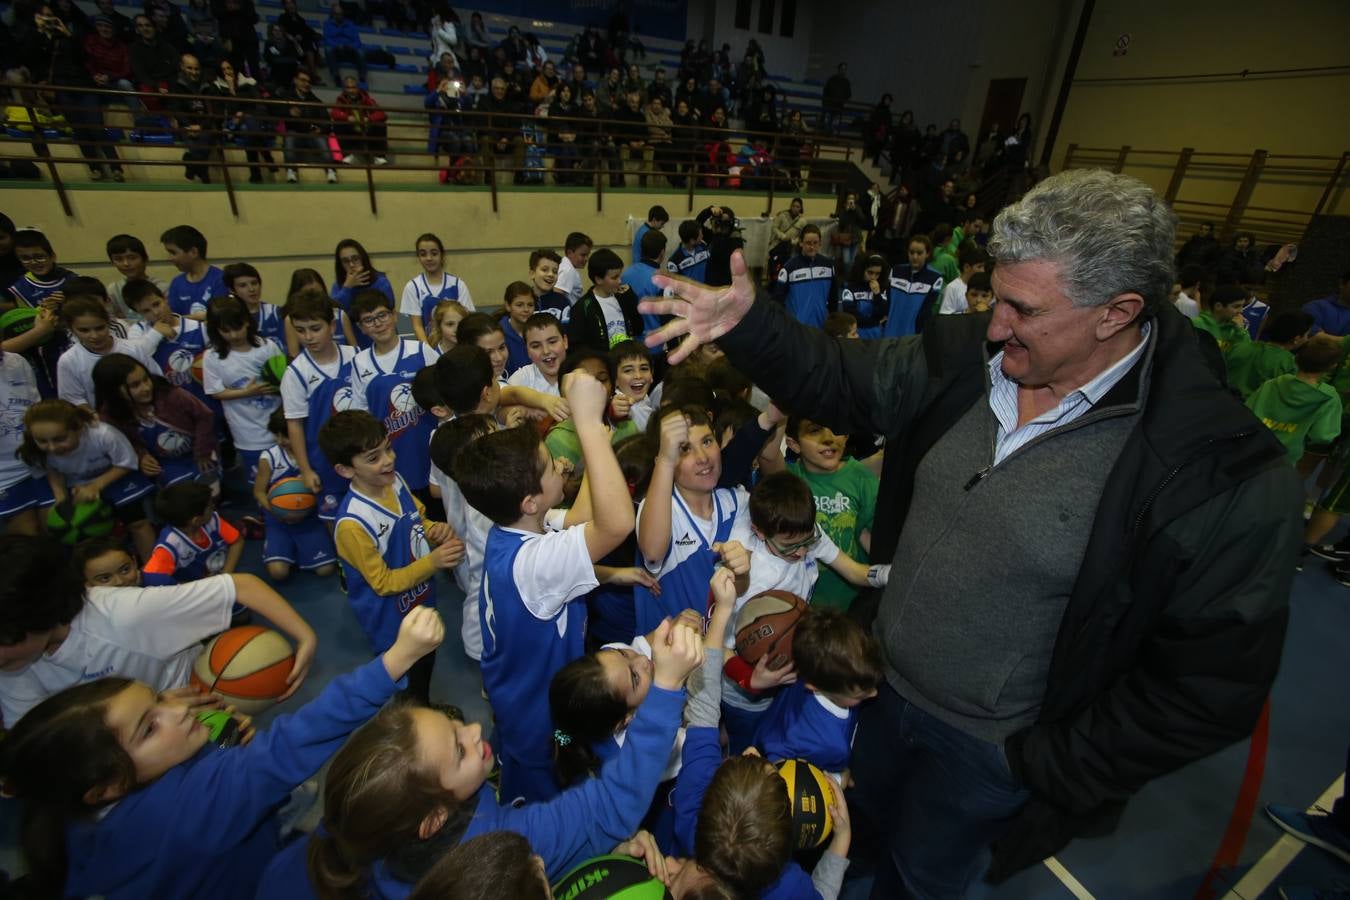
(52, 56)
(687, 92)
(198, 12)
(579, 82)
(342, 43)
(535, 54)
(848, 235)
(545, 86)
(1201, 249)
(306, 39)
(837, 92)
(953, 140)
(714, 95)
(281, 54)
(477, 35)
(660, 139)
(762, 112)
(1241, 263)
(792, 146)
(1331, 314)
(359, 124)
(684, 140)
(169, 23)
(444, 31)
(632, 81)
(449, 134)
(514, 44)
(154, 63)
(475, 92)
(611, 96)
(107, 57)
(596, 142)
(444, 70)
(631, 137)
(659, 87)
(124, 27)
(206, 46)
(192, 118)
(786, 234)
(563, 135)
(473, 63)
(878, 131)
(242, 114)
(306, 138)
(239, 28)
(499, 138)
(899, 213)
(591, 51)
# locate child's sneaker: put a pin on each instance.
(1333, 552)
(1314, 828)
(1341, 572)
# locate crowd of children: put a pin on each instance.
(606, 516)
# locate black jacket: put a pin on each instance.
(587, 328)
(1173, 633)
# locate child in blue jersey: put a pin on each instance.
(197, 281)
(316, 386)
(389, 549)
(532, 624)
(411, 785)
(839, 667)
(179, 354)
(173, 433)
(519, 303)
(685, 521)
(423, 293)
(87, 460)
(543, 281)
(382, 377)
(195, 542)
(42, 286)
(690, 259)
(657, 217)
(914, 291)
(300, 542)
(863, 296)
(638, 275)
(232, 373)
(805, 284)
(126, 797)
(354, 274)
(244, 282)
(716, 801)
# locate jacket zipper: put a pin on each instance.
(1162, 485)
(1086, 419)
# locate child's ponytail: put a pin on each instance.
(585, 710)
(375, 801)
(59, 755)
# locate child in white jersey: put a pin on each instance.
(89, 323)
(423, 293)
(232, 373)
(289, 542)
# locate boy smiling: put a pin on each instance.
(547, 346)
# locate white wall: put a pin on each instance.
(783, 56)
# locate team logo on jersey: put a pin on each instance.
(403, 411)
(342, 398)
(685, 541)
(178, 367)
(418, 544)
(173, 443)
(216, 561)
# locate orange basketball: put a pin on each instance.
(764, 627)
(196, 369)
(248, 666)
(291, 500)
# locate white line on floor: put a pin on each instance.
(1064, 875)
(1277, 858)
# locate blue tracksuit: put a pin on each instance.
(584, 821)
(797, 726)
(806, 286)
(692, 264)
(517, 357)
(555, 302)
(869, 309)
(912, 296)
(701, 757)
(207, 828)
(190, 298)
(637, 241)
(638, 277)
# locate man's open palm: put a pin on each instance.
(702, 313)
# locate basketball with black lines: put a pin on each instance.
(811, 792)
(248, 666)
(610, 877)
(765, 625)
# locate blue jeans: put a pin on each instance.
(928, 799)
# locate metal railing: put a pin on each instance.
(1250, 171)
(471, 146)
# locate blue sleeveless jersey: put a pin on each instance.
(686, 585)
(188, 299)
(30, 291)
(181, 358)
(192, 561)
(271, 323)
(521, 654)
(401, 539)
(389, 398)
(325, 396)
(429, 297)
(171, 447)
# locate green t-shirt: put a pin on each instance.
(562, 440)
(846, 502)
(1226, 334)
(1297, 412)
(1252, 363)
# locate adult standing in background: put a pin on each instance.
(838, 91)
(1127, 618)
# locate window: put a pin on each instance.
(766, 16)
(743, 14)
(788, 21)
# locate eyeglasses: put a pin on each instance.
(348, 260)
(378, 318)
(797, 547)
(36, 258)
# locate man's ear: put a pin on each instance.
(1119, 313)
(432, 823)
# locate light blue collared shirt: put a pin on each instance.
(1003, 401)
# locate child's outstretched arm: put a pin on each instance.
(654, 525)
(611, 507)
(254, 593)
(236, 790)
(828, 875)
(516, 395)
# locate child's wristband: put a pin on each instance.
(877, 576)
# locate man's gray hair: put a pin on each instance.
(1110, 234)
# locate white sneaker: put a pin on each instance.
(349, 159)
(292, 176)
(381, 161)
(332, 176)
